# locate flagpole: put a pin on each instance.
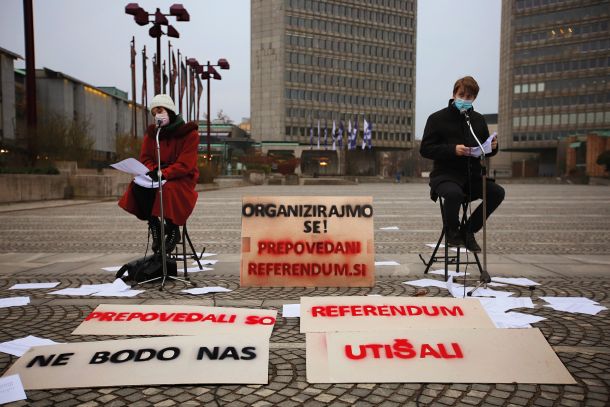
(179, 83)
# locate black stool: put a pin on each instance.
(447, 258)
(193, 254)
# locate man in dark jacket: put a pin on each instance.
(456, 176)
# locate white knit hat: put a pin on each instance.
(163, 100)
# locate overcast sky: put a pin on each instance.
(89, 40)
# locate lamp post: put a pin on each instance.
(142, 17)
(208, 72)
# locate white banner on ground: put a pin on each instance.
(331, 314)
(123, 319)
(212, 358)
(434, 355)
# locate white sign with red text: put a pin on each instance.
(331, 314)
(129, 319)
(211, 358)
(434, 355)
(307, 241)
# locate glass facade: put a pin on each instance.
(555, 74)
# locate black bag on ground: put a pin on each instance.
(146, 268)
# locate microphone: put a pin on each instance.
(464, 112)
(159, 122)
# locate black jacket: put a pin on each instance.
(444, 130)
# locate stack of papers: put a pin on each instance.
(18, 347)
(14, 301)
(206, 290)
(133, 166)
(476, 151)
(118, 288)
(579, 305)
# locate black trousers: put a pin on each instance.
(145, 199)
(454, 195)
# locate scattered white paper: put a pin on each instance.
(515, 320)
(291, 310)
(190, 256)
(208, 262)
(11, 389)
(14, 301)
(131, 166)
(387, 263)
(426, 282)
(433, 245)
(118, 288)
(494, 284)
(18, 347)
(75, 291)
(113, 269)
(524, 282)
(196, 269)
(126, 293)
(449, 273)
(390, 228)
(476, 151)
(579, 305)
(374, 295)
(34, 286)
(457, 290)
(500, 305)
(206, 290)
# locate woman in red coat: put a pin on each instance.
(179, 142)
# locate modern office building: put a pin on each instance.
(337, 60)
(554, 76)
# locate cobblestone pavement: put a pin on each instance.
(557, 235)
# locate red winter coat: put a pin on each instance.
(179, 168)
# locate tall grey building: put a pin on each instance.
(335, 60)
(554, 74)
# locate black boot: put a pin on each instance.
(454, 238)
(471, 243)
(172, 237)
(154, 225)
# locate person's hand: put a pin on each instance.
(494, 143)
(461, 150)
(153, 175)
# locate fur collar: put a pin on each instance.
(180, 132)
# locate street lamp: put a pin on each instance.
(208, 72)
(142, 17)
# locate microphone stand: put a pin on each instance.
(485, 277)
(164, 277)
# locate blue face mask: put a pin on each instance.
(462, 104)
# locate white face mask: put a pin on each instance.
(163, 117)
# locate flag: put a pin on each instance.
(325, 133)
(349, 134)
(191, 93)
(340, 134)
(333, 136)
(310, 133)
(355, 133)
(165, 79)
(144, 87)
(367, 135)
(318, 134)
(172, 76)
